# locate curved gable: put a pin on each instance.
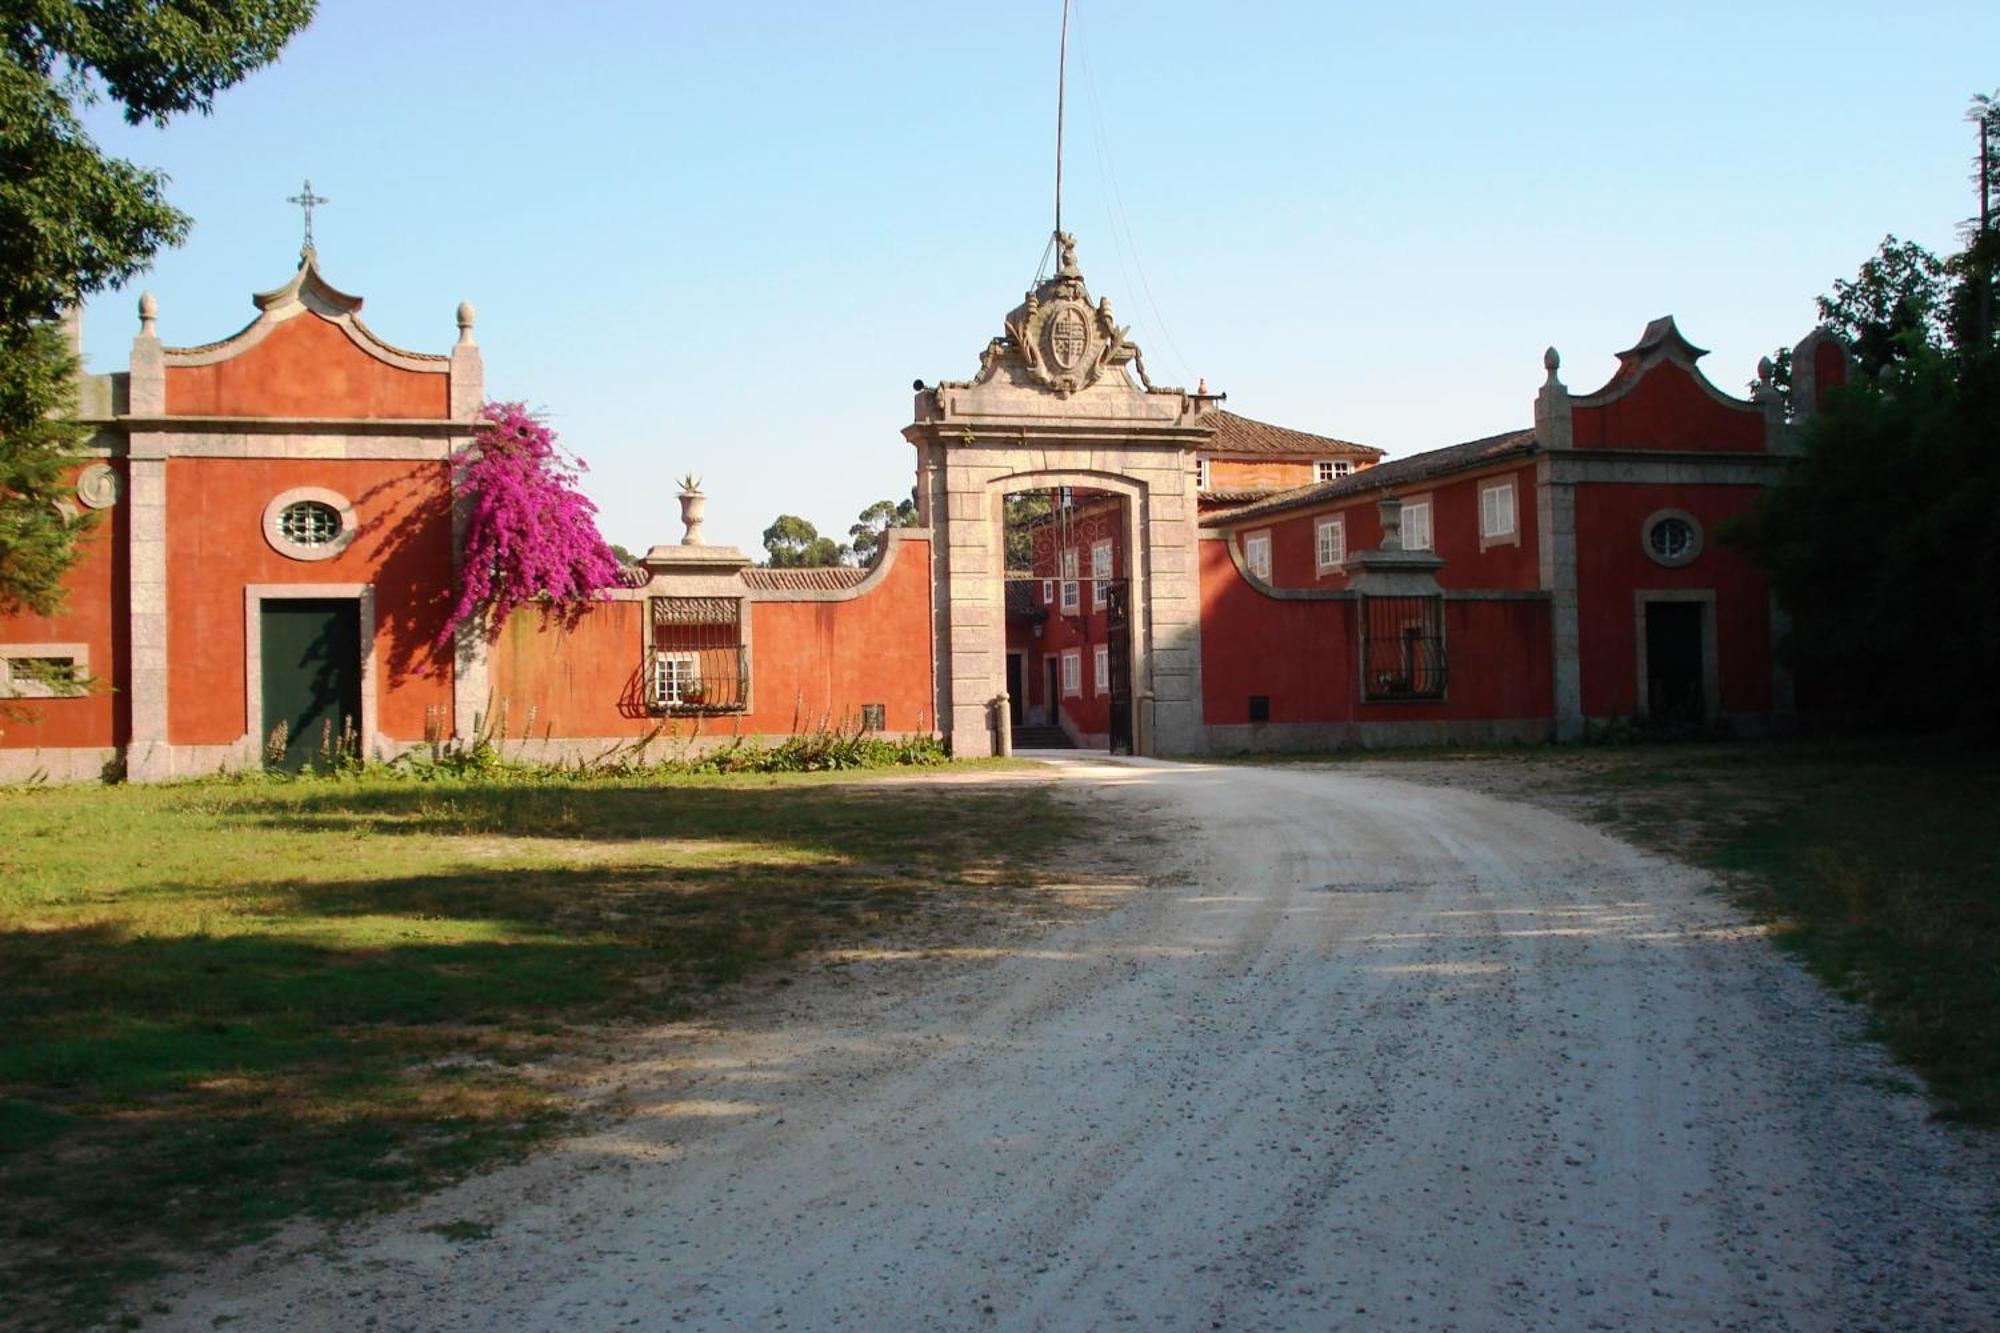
(305, 366)
(1659, 399)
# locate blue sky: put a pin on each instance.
(725, 238)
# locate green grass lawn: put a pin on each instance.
(230, 1003)
(1877, 859)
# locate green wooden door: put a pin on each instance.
(312, 682)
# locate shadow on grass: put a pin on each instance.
(195, 1057)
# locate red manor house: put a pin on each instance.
(1102, 562)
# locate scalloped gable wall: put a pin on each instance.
(306, 366)
(1668, 406)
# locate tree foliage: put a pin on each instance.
(865, 536)
(530, 536)
(792, 542)
(74, 222)
(1883, 540)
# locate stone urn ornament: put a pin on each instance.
(693, 505)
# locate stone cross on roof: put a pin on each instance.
(306, 200)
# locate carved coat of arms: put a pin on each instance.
(1069, 335)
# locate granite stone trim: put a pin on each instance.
(77, 763)
(1277, 737)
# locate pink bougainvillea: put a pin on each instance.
(529, 535)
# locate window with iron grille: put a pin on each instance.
(1100, 574)
(874, 717)
(1402, 648)
(697, 659)
(1070, 600)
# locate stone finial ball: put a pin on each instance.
(466, 314)
(1552, 360)
(1765, 368)
(149, 306)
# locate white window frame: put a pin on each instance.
(1490, 535)
(1336, 525)
(1072, 673)
(1257, 553)
(30, 687)
(1100, 574)
(668, 687)
(1332, 469)
(1071, 600)
(1048, 592)
(1201, 474)
(1415, 505)
(1100, 668)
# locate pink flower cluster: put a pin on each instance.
(529, 534)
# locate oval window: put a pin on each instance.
(1672, 537)
(309, 523)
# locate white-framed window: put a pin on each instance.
(1330, 543)
(1201, 474)
(1101, 668)
(1417, 524)
(1496, 511)
(676, 679)
(1257, 554)
(44, 670)
(1072, 672)
(1069, 591)
(1100, 574)
(1331, 469)
(1048, 592)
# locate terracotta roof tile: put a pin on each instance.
(1241, 435)
(1384, 476)
(829, 578)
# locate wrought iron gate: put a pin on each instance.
(1118, 655)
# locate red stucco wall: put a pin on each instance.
(1303, 655)
(306, 367)
(1612, 565)
(215, 546)
(812, 664)
(93, 614)
(1668, 409)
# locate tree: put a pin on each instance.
(1883, 540)
(1893, 310)
(866, 535)
(74, 222)
(793, 543)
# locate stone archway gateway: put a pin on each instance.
(1062, 399)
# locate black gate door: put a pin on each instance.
(1118, 654)
(312, 682)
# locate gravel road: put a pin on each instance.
(1372, 1055)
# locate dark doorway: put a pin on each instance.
(1674, 659)
(1015, 689)
(312, 682)
(1050, 699)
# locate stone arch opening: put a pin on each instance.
(1073, 610)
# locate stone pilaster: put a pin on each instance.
(148, 757)
(1555, 514)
